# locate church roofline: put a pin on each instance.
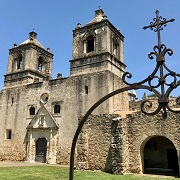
(32, 40)
(31, 45)
(98, 24)
(99, 16)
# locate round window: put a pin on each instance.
(44, 98)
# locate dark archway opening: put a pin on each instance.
(41, 149)
(90, 44)
(160, 157)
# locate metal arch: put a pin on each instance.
(127, 88)
(159, 52)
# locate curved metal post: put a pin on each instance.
(71, 172)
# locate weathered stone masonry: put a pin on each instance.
(117, 146)
(100, 144)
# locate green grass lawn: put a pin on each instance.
(61, 173)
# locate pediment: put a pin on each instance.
(43, 120)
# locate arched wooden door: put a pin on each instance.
(41, 149)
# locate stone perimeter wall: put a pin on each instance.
(140, 128)
(99, 146)
(116, 145)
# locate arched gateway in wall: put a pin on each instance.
(160, 156)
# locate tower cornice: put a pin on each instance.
(97, 25)
(28, 46)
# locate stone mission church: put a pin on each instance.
(39, 114)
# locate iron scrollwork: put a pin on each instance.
(165, 87)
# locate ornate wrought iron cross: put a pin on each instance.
(159, 51)
(157, 26)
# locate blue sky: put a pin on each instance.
(54, 20)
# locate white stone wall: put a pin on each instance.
(70, 93)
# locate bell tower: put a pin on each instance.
(98, 64)
(97, 46)
(28, 62)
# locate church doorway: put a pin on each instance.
(41, 149)
(160, 157)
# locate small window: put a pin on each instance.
(86, 89)
(32, 110)
(12, 100)
(115, 46)
(57, 108)
(19, 63)
(44, 98)
(8, 133)
(40, 64)
(90, 44)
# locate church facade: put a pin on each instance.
(39, 114)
